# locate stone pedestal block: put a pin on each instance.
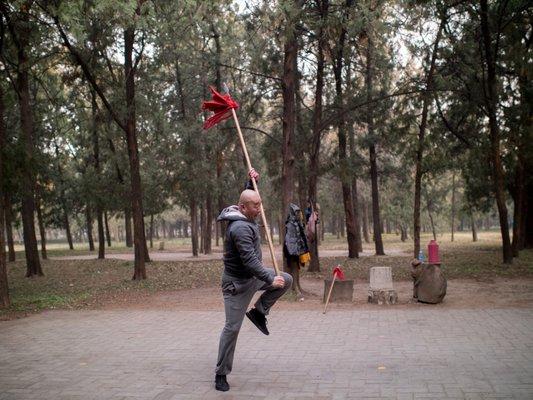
(161, 245)
(382, 296)
(381, 290)
(342, 290)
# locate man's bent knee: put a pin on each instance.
(288, 279)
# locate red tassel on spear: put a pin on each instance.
(224, 107)
(221, 105)
(337, 273)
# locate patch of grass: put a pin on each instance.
(90, 283)
(42, 301)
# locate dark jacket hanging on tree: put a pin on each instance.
(295, 240)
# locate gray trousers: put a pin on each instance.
(237, 296)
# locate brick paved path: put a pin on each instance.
(163, 355)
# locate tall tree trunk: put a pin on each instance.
(66, 224)
(378, 241)
(299, 137)
(8, 209)
(314, 156)
(4, 287)
(524, 164)
(369, 77)
(366, 234)
(403, 231)
(220, 231)
(356, 215)
(145, 243)
(202, 227)
(139, 240)
(344, 170)
(42, 230)
(89, 222)
(426, 97)
(107, 233)
(352, 157)
(217, 233)
(491, 101)
(473, 226)
(194, 227)
(127, 227)
(208, 224)
(151, 231)
(96, 162)
(453, 205)
(23, 32)
(347, 197)
(519, 203)
(290, 49)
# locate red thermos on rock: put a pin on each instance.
(433, 252)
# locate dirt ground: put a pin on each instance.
(461, 293)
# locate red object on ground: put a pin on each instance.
(433, 252)
(338, 272)
(221, 105)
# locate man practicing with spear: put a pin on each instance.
(244, 274)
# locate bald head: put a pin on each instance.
(249, 195)
(250, 203)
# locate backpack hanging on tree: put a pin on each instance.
(295, 240)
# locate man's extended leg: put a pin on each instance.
(235, 306)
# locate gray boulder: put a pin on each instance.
(429, 283)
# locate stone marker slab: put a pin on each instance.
(380, 290)
(380, 278)
(342, 290)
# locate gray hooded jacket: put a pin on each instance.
(242, 247)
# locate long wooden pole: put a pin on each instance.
(329, 293)
(254, 183)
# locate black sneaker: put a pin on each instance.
(221, 383)
(258, 319)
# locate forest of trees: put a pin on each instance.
(414, 113)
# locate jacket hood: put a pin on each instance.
(231, 213)
(294, 212)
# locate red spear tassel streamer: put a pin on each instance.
(338, 273)
(221, 105)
